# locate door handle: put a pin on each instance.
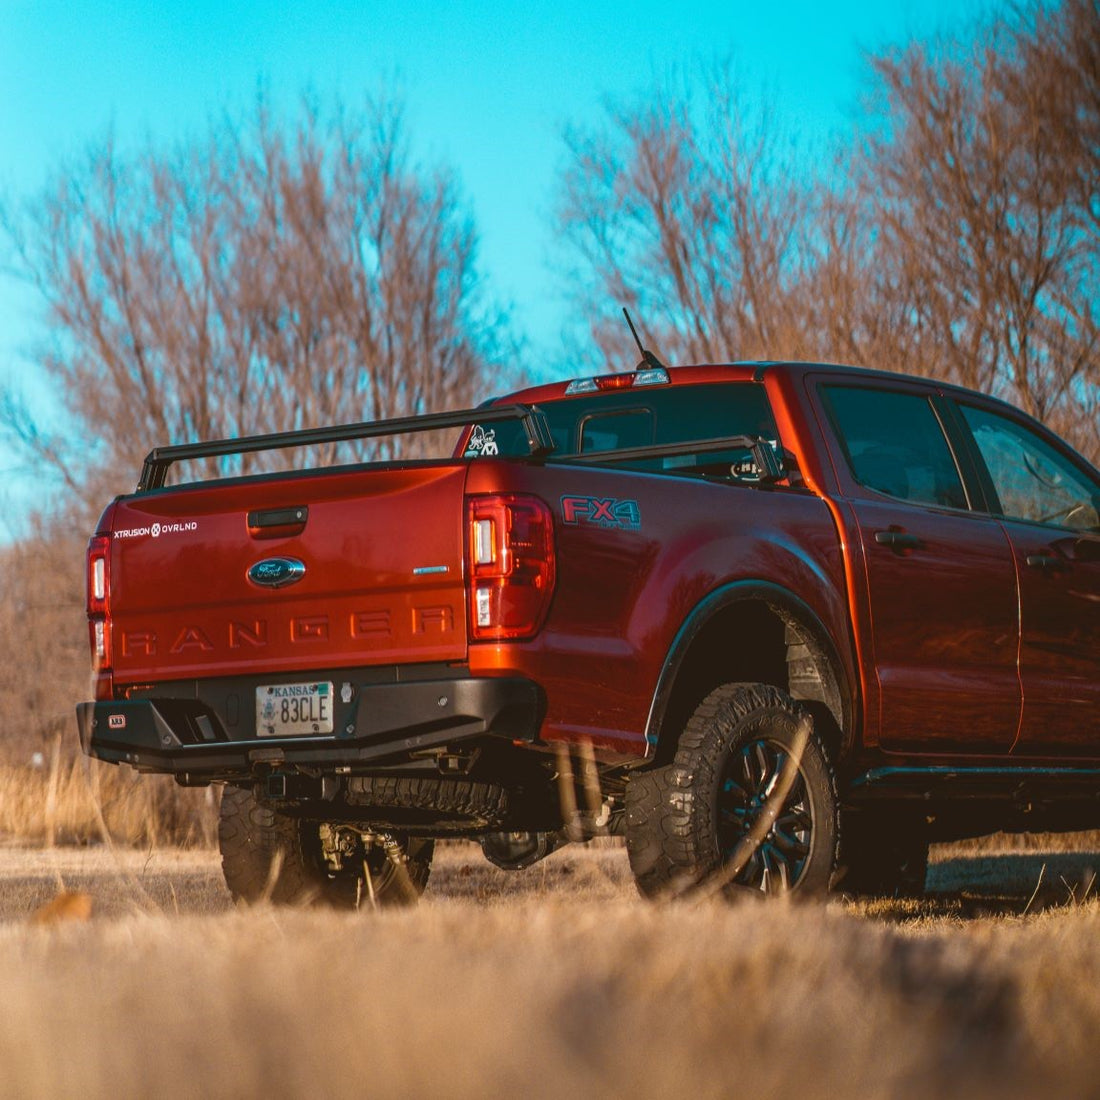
(1045, 561)
(898, 540)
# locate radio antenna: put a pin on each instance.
(648, 358)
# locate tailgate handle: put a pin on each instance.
(277, 523)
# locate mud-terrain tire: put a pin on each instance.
(688, 820)
(882, 856)
(251, 837)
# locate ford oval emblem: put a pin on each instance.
(276, 572)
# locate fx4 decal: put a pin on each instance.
(623, 515)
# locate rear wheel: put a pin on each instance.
(748, 803)
(293, 861)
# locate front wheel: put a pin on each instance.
(748, 803)
(293, 861)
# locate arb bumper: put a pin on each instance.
(194, 738)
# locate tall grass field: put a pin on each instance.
(127, 972)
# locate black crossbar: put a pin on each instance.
(159, 460)
(771, 469)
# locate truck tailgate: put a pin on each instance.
(344, 568)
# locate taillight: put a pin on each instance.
(99, 608)
(510, 565)
(99, 575)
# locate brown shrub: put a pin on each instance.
(84, 801)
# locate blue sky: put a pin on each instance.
(488, 86)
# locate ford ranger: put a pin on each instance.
(780, 625)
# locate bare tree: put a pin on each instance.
(1060, 54)
(43, 641)
(980, 227)
(958, 238)
(266, 276)
(686, 209)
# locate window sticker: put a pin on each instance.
(482, 443)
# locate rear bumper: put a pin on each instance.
(380, 723)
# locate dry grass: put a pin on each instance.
(82, 801)
(551, 982)
(128, 972)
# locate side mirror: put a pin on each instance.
(1086, 549)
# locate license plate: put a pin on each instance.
(293, 710)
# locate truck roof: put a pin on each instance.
(745, 371)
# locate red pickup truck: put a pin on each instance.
(781, 625)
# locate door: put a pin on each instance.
(1050, 502)
(940, 578)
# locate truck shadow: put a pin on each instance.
(998, 885)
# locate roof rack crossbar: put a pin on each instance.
(159, 460)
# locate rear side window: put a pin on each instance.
(640, 418)
(895, 445)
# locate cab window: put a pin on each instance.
(646, 416)
(625, 428)
(1034, 481)
(895, 445)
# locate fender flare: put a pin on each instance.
(790, 608)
